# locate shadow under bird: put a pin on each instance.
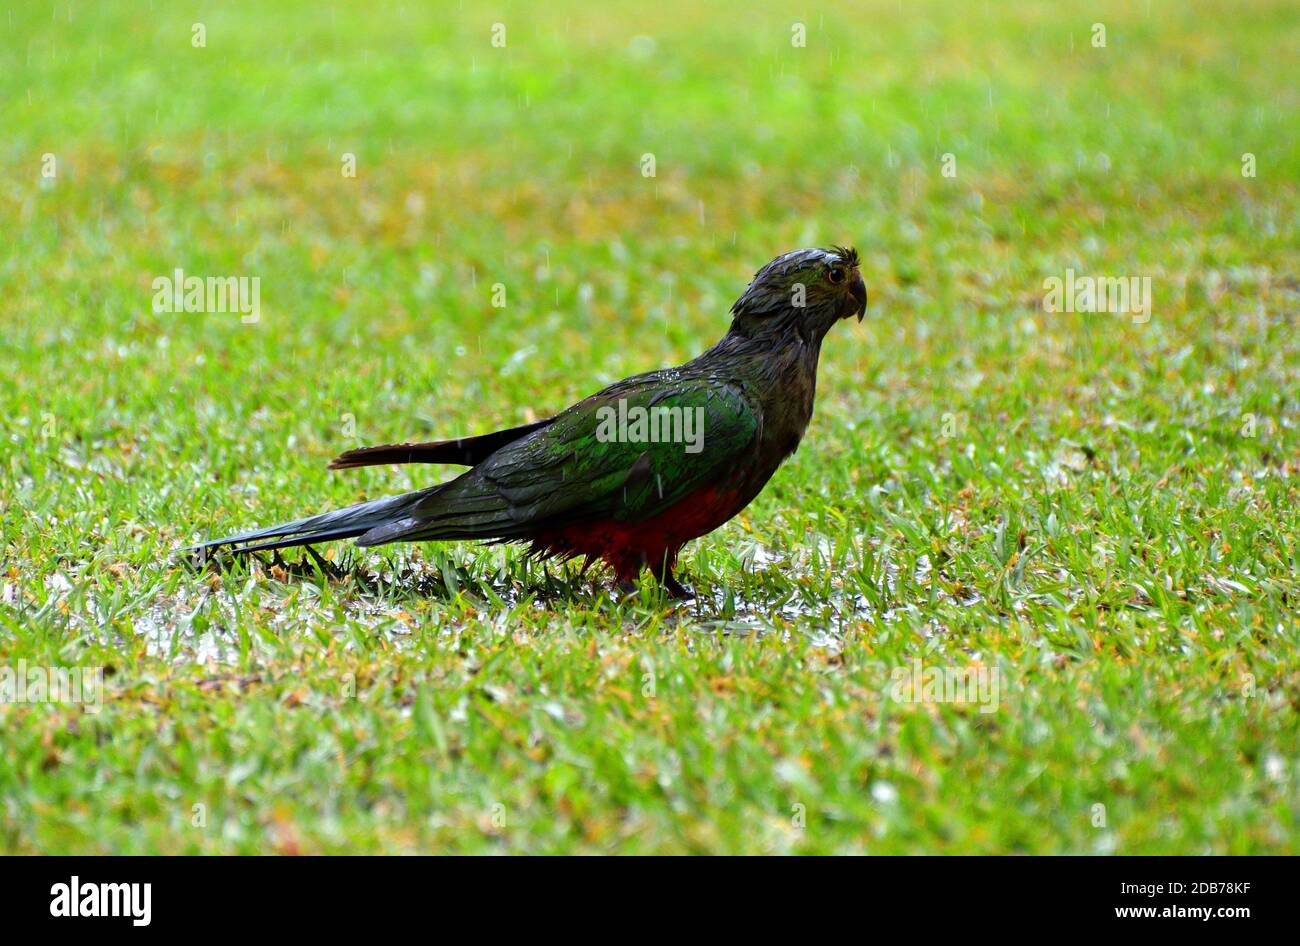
(585, 483)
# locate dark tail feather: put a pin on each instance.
(341, 524)
(467, 451)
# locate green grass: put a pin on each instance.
(1102, 512)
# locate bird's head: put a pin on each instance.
(803, 292)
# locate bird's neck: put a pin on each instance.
(766, 357)
(780, 373)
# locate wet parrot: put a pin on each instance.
(632, 473)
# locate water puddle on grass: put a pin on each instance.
(393, 601)
(819, 605)
(261, 619)
(181, 644)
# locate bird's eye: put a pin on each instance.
(836, 275)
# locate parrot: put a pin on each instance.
(632, 473)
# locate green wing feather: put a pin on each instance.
(577, 469)
(569, 472)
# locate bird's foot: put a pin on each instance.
(671, 586)
(675, 588)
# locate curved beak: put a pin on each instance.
(858, 292)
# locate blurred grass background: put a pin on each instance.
(1070, 498)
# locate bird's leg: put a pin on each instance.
(625, 575)
(670, 584)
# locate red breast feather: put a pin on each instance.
(627, 547)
